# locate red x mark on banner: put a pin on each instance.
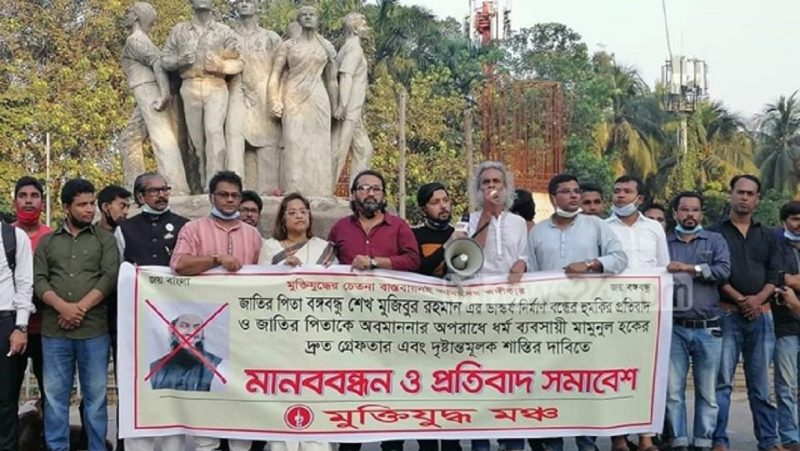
(185, 342)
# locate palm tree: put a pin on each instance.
(778, 138)
(724, 146)
(633, 128)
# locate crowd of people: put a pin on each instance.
(58, 302)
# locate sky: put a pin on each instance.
(750, 46)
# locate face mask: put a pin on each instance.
(568, 214)
(220, 215)
(28, 218)
(791, 236)
(152, 211)
(680, 229)
(110, 220)
(625, 210)
(437, 224)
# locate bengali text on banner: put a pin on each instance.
(334, 355)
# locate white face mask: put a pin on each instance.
(625, 210)
(568, 214)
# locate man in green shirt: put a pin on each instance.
(75, 268)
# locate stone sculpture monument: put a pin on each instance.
(150, 85)
(348, 130)
(249, 120)
(304, 101)
(204, 52)
(283, 115)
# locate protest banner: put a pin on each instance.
(334, 355)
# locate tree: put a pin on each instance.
(631, 133)
(778, 138)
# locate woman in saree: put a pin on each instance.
(292, 242)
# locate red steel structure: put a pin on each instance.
(522, 124)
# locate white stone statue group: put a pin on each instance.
(296, 104)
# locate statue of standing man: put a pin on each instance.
(249, 121)
(204, 51)
(150, 85)
(304, 101)
(349, 131)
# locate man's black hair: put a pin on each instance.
(750, 177)
(252, 196)
(790, 208)
(523, 204)
(28, 181)
(74, 188)
(110, 193)
(591, 187)
(558, 179)
(224, 176)
(656, 206)
(693, 194)
(631, 178)
(425, 192)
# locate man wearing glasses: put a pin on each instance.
(220, 239)
(371, 238)
(148, 239)
(576, 244)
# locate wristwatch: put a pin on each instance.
(373, 263)
(21, 328)
(698, 270)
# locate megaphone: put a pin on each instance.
(463, 257)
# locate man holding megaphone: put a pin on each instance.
(502, 237)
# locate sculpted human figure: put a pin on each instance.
(348, 130)
(304, 102)
(204, 51)
(249, 121)
(150, 85)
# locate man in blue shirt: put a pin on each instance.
(700, 261)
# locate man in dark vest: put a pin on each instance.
(188, 369)
(149, 237)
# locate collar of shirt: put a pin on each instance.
(580, 218)
(237, 223)
(65, 229)
(387, 220)
(614, 218)
(702, 235)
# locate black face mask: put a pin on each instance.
(438, 224)
(110, 220)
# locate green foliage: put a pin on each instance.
(434, 151)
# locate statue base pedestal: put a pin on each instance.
(325, 211)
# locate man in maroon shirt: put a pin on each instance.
(370, 238)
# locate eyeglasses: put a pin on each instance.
(245, 210)
(369, 188)
(157, 190)
(232, 196)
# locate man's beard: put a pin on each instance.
(185, 356)
(77, 223)
(368, 208)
